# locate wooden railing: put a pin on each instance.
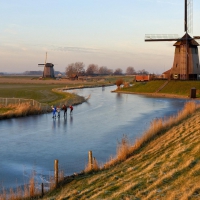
(7, 101)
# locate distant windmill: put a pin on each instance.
(48, 69)
(186, 57)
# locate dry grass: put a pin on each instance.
(93, 167)
(18, 110)
(29, 191)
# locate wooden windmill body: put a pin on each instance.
(48, 69)
(186, 57)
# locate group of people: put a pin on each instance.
(58, 109)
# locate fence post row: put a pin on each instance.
(6, 101)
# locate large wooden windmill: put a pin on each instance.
(186, 57)
(48, 69)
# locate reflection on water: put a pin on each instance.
(71, 119)
(36, 141)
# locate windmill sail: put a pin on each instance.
(161, 37)
(188, 16)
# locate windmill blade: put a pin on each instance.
(161, 37)
(189, 15)
(45, 58)
(196, 37)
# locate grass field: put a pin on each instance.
(44, 90)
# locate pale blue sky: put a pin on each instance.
(104, 32)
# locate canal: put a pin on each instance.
(31, 144)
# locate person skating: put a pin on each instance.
(58, 110)
(64, 107)
(54, 111)
(71, 109)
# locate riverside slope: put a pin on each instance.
(167, 168)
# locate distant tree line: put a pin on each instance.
(78, 68)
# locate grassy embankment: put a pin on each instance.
(163, 164)
(177, 88)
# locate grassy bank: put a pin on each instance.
(179, 88)
(48, 91)
(166, 166)
(46, 94)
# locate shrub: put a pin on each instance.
(119, 82)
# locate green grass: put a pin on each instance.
(173, 87)
(38, 92)
(144, 87)
(181, 87)
(3, 110)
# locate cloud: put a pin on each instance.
(76, 49)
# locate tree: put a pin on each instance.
(110, 71)
(118, 71)
(75, 68)
(119, 82)
(92, 69)
(130, 70)
(105, 71)
(143, 71)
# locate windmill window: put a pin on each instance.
(176, 65)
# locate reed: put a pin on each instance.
(32, 186)
(95, 166)
(17, 110)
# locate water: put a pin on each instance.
(32, 143)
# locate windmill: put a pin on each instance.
(186, 57)
(48, 69)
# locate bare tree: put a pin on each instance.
(75, 68)
(103, 70)
(143, 71)
(118, 71)
(110, 71)
(92, 69)
(130, 70)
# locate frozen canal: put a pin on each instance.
(34, 142)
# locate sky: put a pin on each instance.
(104, 32)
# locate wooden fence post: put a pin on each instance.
(56, 172)
(42, 189)
(90, 161)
